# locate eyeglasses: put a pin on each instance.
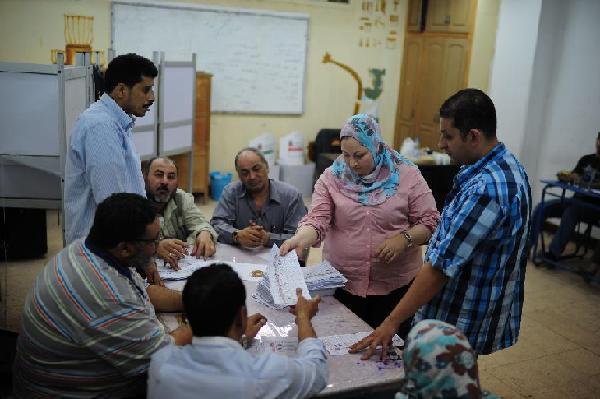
(155, 241)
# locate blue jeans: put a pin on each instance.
(570, 213)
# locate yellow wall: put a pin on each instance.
(31, 28)
(484, 43)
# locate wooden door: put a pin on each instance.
(455, 59)
(415, 9)
(449, 16)
(409, 88)
(430, 91)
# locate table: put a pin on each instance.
(348, 375)
(562, 188)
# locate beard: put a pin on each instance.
(161, 197)
(140, 260)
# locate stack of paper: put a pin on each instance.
(338, 345)
(323, 278)
(277, 289)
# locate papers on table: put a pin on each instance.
(282, 345)
(338, 345)
(277, 289)
(323, 277)
(189, 264)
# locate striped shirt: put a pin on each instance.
(88, 329)
(101, 160)
(481, 246)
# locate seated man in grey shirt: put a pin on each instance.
(257, 211)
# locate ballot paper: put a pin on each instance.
(338, 345)
(323, 277)
(189, 264)
(277, 289)
(282, 345)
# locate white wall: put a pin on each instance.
(546, 83)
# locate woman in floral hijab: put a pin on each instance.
(440, 363)
(373, 210)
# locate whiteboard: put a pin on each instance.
(257, 58)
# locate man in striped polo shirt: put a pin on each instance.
(474, 270)
(89, 325)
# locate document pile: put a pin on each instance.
(323, 278)
(277, 289)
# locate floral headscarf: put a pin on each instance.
(439, 363)
(382, 183)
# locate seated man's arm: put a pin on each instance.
(224, 216)
(164, 299)
(309, 370)
(294, 212)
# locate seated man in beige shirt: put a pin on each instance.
(183, 228)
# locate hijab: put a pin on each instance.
(382, 183)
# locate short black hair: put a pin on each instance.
(129, 70)
(212, 297)
(122, 217)
(251, 149)
(147, 164)
(471, 109)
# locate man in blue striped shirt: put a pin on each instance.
(101, 157)
(474, 272)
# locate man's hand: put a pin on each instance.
(381, 336)
(254, 324)
(251, 237)
(568, 177)
(204, 245)
(152, 275)
(391, 248)
(171, 250)
(306, 307)
(264, 234)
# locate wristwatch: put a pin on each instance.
(409, 238)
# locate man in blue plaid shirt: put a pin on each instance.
(475, 264)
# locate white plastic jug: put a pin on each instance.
(265, 143)
(291, 149)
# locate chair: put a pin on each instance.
(326, 150)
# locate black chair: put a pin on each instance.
(326, 150)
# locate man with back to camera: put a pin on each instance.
(101, 156)
(257, 211)
(474, 270)
(89, 327)
(183, 228)
(217, 365)
(586, 173)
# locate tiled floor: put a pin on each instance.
(557, 356)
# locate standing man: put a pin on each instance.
(182, 225)
(101, 157)
(89, 326)
(475, 263)
(257, 211)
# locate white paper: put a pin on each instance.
(190, 264)
(282, 345)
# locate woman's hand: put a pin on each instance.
(171, 250)
(304, 238)
(391, 248)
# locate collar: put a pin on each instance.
(468, 171)
(274, 194)
(214, 341)
(112, 262)
(123, 119)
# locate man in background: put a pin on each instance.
(570, 210)
(257, 211)
(101, 157)
(183, 228)
(89, 325)
(216, 365)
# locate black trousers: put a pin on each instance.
(375, 308)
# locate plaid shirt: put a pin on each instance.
(481, 245)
